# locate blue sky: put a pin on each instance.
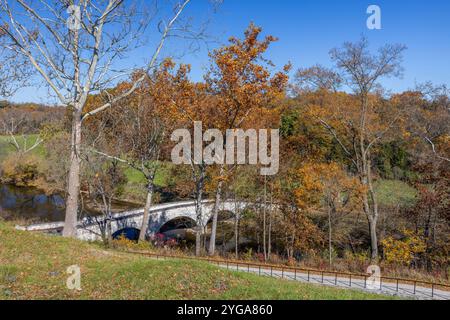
(308, 29)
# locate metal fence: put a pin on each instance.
(344, 279)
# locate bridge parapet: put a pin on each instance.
(89, 228)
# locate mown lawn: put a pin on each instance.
(33, 266)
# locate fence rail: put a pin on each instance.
(297, 273)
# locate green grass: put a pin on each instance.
(33, 266)
(395, 192)
(134, 176)
(135, 188)
(6, 148)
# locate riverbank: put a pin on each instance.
(33, 266)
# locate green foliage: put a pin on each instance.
(392, 161)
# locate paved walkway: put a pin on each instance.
(389, 288)
(340, 281)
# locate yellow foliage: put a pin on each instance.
(326, 181)
(403, 251)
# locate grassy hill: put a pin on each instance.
(33, 266)
(6, 148)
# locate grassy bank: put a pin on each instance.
(6, 148)
(33, 266)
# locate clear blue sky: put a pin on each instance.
(308, 29)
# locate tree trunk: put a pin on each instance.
(198, 242)
(212, 241)
(264, 220)
(236, 236)
(148, 205)
(269, 240)
(109, 230)
(330, 256)
(269, 249)
(236, 229)
(73, 187)
(374, 214)
(373, 239)
(198, 210)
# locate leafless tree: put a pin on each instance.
(361, 72)
(318, 77)
(105, 180)
(430, 120)
(13, 122)
(76, 48)
(135, 140)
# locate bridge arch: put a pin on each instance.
(129, 233)
(177, 223)
(223, 215)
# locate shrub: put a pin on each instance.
(404, 251)
(21, 170)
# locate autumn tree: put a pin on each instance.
(327, 187)
(192, 110)
(426, 133)
(426, 125)
(359, 124)
(241, 82)
(136, 129)
(105, 180)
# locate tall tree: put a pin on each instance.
(240, 80)
(78, 54)
(360, 122)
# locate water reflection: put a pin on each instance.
(30, 204)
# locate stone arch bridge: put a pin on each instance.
(89, 228)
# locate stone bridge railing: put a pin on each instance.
(89, 227)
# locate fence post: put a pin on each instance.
(397, 285)
(259, 270)
(415, 286)
(335, 279)
(350, 280)
(308, 275)
(322, 276)
(365, 282)
(295, 274)
(271, 271)
(227, 265)
(432, 290)
(282, 273)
